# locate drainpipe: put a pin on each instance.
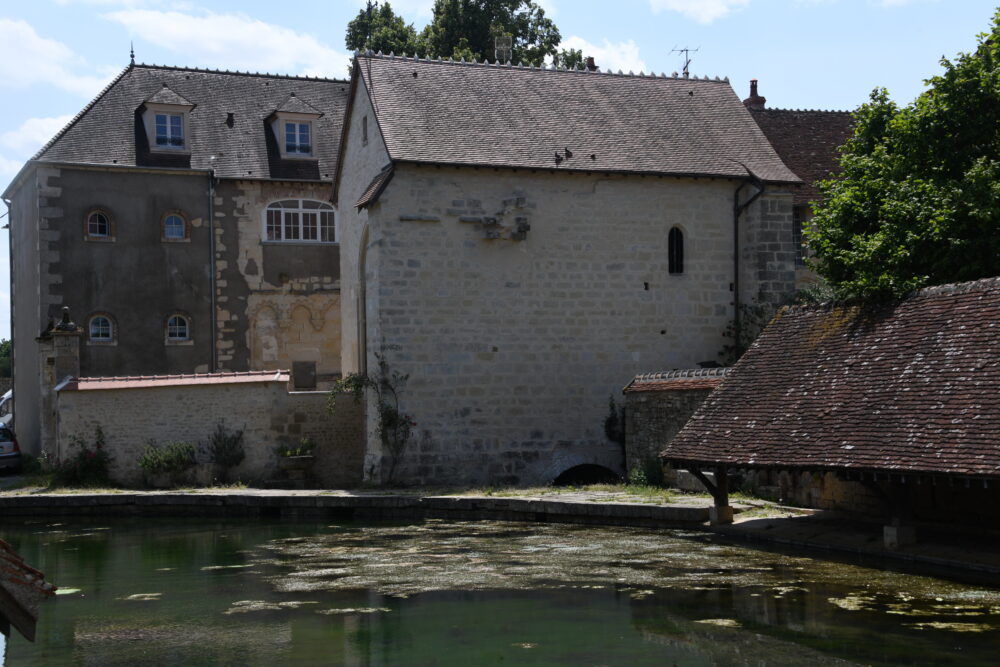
(738, 209)
(10, 269)
(211, 245)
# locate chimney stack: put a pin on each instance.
(590, 63)
(755, 102)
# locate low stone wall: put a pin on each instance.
(267, 412)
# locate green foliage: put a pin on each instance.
(380, 29)
(467, 28)
(225, 447)
(172, 459)
(90, 465)
(754, 316)
(394, 427)
(614, 423)
(918, 200)
(570, 59)
(304, 448)
(6, 349)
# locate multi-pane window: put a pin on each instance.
(675, 251)
(178, 328)
(300, 220)
(98, 224)
(170, 130)
(174, 227)
(297, 140)
(101, 329)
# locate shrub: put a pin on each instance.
(304, 448)
(225, 447)
(89, 466)
(172, 459)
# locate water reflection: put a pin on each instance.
(439, 593)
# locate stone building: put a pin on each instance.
(521, 242)
(185, 216)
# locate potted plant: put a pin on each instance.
(296, 460)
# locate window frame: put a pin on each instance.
(298, 126)
(99, 238)
(112, 338)
(675, 251)
(182, 112)
(186, 226)
(170, 339)
(279, 122)
(289, 218)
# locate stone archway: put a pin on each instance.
(586, 473)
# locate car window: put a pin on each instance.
(5, 434)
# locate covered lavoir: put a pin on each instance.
(888, 408)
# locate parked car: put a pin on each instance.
(10, 453)
(7, 407)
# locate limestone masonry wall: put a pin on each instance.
(268, 413)
(653, 418)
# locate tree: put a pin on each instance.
(5, 352)
(380, 29)
(918, 199)
(570, 59)
(468, 28)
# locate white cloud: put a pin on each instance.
(622, 56)
(33, 133)
(234, 41)
(27, 58)
(702, 11)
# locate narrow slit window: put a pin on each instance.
(675, 251)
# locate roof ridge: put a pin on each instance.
(73, 121)
(542, 68)
(268, 75)
(843, 111)
(685, 373)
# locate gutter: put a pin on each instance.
(738, 210)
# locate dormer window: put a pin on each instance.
(293, 125)
(165, 116)
(169, 130)
(297, 138)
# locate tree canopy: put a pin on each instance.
(918, 199)
(463, 29)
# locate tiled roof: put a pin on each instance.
(910, 387)
(105, 132)
(375, 188)
(144, 381)
(445, 112)
(24, 588)
(807, 142)
(680, 380)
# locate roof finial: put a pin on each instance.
(131, 52)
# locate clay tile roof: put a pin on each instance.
(166, 96)
(446, 112)
(295, 104)
(145, 381)
(678, 380)
(105, 131)
(808, 142)
(375, 188)
(908, 387)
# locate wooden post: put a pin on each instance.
(721, 512)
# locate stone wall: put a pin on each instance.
(653, 418)
(267, 412)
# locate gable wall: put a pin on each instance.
(514, 346)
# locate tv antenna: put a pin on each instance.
(687, 60)
(504, 48)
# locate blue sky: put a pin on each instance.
(55, 55)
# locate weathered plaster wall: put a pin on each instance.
(277, 302)
(513, 346)
(653, 418)
(30, 234)
(138, 278)
(268, 413)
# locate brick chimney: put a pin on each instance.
(591, 65)
(755, 102)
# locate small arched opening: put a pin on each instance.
(586, 473)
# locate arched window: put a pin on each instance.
(101, 329)
(99, 226)
(299, 220)
(178, 329)
(175, 227)
(675, 251)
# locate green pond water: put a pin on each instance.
(250, 592)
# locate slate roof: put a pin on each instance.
(678, 380)
(911, 387)
(107, 130)
(445, 112)
(375, 188)
(807, 142)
